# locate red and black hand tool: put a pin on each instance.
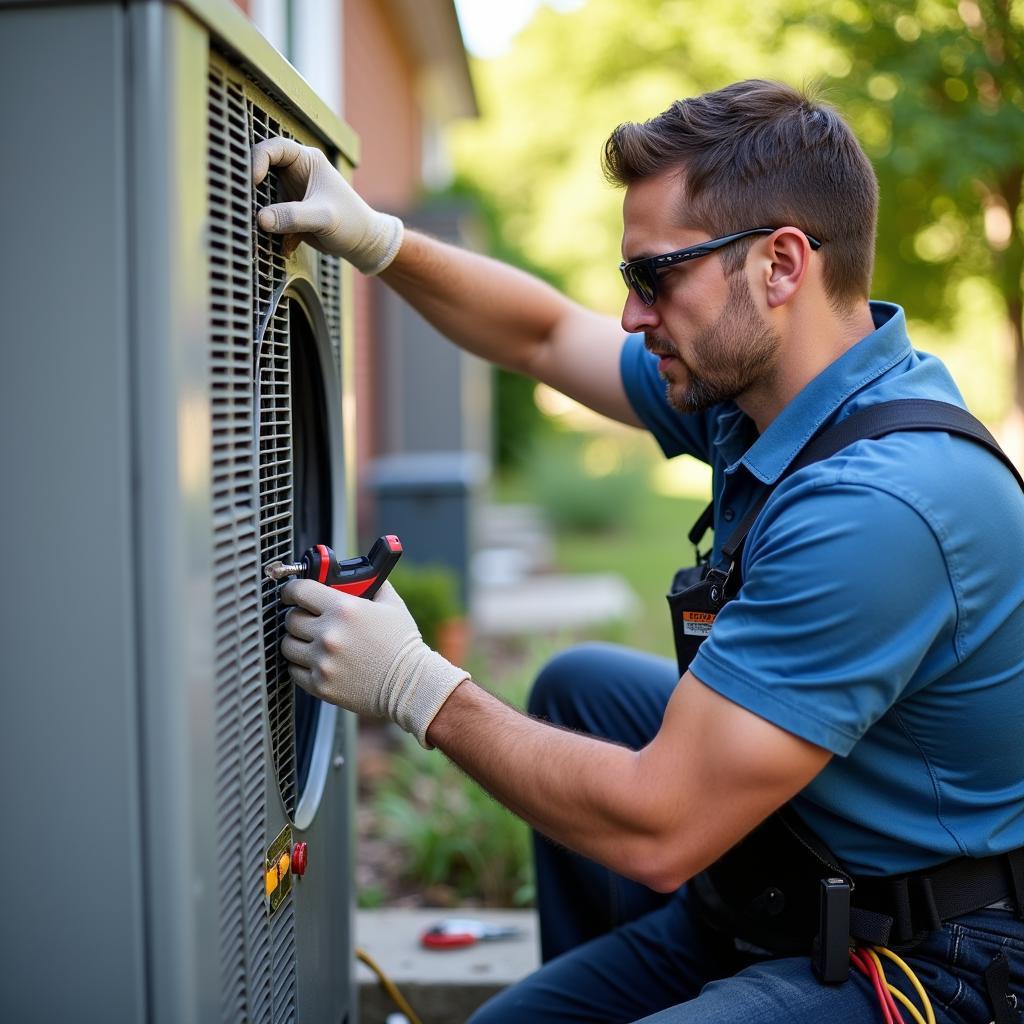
(361, 576)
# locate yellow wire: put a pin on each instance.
(897, 994)
(389, 986)
(919, 988)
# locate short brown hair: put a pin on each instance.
(763, 154)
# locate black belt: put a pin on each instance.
(900, 910)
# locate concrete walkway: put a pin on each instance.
(553, 603)
(515, 592)
(441, 986)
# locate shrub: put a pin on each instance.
(431, 595)
(585, 484)
(452, 832)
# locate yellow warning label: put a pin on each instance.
(277, 870)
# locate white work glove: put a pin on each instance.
(366, 656)
(325, 211)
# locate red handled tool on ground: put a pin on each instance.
(454, 932)
(361, 576)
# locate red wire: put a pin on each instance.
(897, 1016)
(885, 1000)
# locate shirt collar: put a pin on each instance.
(768, 457)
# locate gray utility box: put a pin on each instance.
(433, 426)
(429, 500)
(172, 408)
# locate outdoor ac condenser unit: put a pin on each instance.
(175, 408)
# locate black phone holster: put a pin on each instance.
(696, 597)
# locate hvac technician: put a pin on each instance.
(862, 664)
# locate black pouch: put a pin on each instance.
(696, 597)
(766, 890)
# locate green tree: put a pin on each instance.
(937, 91)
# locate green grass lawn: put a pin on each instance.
(645, 546)
(646, 552)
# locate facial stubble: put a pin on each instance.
(734, 354)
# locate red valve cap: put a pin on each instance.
(300, 853)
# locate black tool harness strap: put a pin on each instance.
(901, 910)
(895, 910)
(869, 424)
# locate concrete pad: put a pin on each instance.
(442, 986)
(550, 604)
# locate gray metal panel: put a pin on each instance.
(174, 523)
(324, 954)
(73, 941)
(240, 38)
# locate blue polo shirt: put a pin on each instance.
(882, 609)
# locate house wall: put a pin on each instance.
(382, 106)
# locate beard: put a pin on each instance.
(736, 352)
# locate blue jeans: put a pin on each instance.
(614, 951)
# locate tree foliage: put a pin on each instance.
(937, 91)
(933, 89)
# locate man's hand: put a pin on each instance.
(324, 211)
(366, 656)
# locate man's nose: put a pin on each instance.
(636, 316)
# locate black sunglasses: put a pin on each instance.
(642, 275)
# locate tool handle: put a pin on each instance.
(445, 940)
(383, 557)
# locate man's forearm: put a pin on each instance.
(489, 308)
(580, 791)
(483, 305)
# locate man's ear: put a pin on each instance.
(788, 257)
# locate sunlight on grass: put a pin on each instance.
(682, 477)
(642, 539)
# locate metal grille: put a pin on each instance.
(252, 515)
(272, 372)
(252, 507)
(273, 395)
(241, 785)
(330, 293)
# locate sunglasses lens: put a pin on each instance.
(641, 280)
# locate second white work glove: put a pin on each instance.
(324, 209)
(366, 656)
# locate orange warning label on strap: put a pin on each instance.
(698, 623)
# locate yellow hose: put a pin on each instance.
(389, 986)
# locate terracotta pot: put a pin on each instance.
(453, 639)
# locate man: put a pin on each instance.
(870, 669)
